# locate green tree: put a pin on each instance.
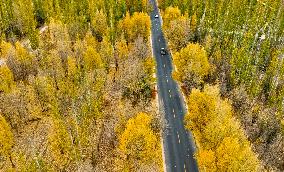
(99, 25)
(26, 18)
(6, 17)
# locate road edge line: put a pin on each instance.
(158, 107)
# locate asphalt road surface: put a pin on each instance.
(179, 146)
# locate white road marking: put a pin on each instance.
(184, 168)
(178, 138)
(167, 80)
(164, 65)
(169, 91)
(170, 96)
(174, 115)
(173, 110)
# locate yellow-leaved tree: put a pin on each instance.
(171, 13)
(178, 33)
(6, 79)
(192, 65)
(201, 110)
(131, 27)
(21, 63)
(60, 145)
(92, 59)
(6, 139)
(99, 24)
(5, 48)
(222, 145)
(139, 144)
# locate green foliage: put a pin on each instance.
(99, 24)
(244, 44)
(25, 15)
(6, 16)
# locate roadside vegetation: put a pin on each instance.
(231, 52)
(77, 87)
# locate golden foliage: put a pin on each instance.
(92, 59)
(122, 49)
(235, 155)
(191, 64)
(21, 63)
(6, 137)
(134, 26)
(171, 13)
(222, 144)
(99, 23)
(206, 160)
(5, 48)
(178, 33)
(6, 79)
(139, 143)
(60, 144)
(201, 109)
(72, 68)
(193, 22)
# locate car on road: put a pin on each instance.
(163, 51)
(156, 16)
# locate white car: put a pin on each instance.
(156, 16)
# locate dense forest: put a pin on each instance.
(77, 84)
(77, 87)
(228, 58)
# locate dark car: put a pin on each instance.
(163, 51)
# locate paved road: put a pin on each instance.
(178, 143)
